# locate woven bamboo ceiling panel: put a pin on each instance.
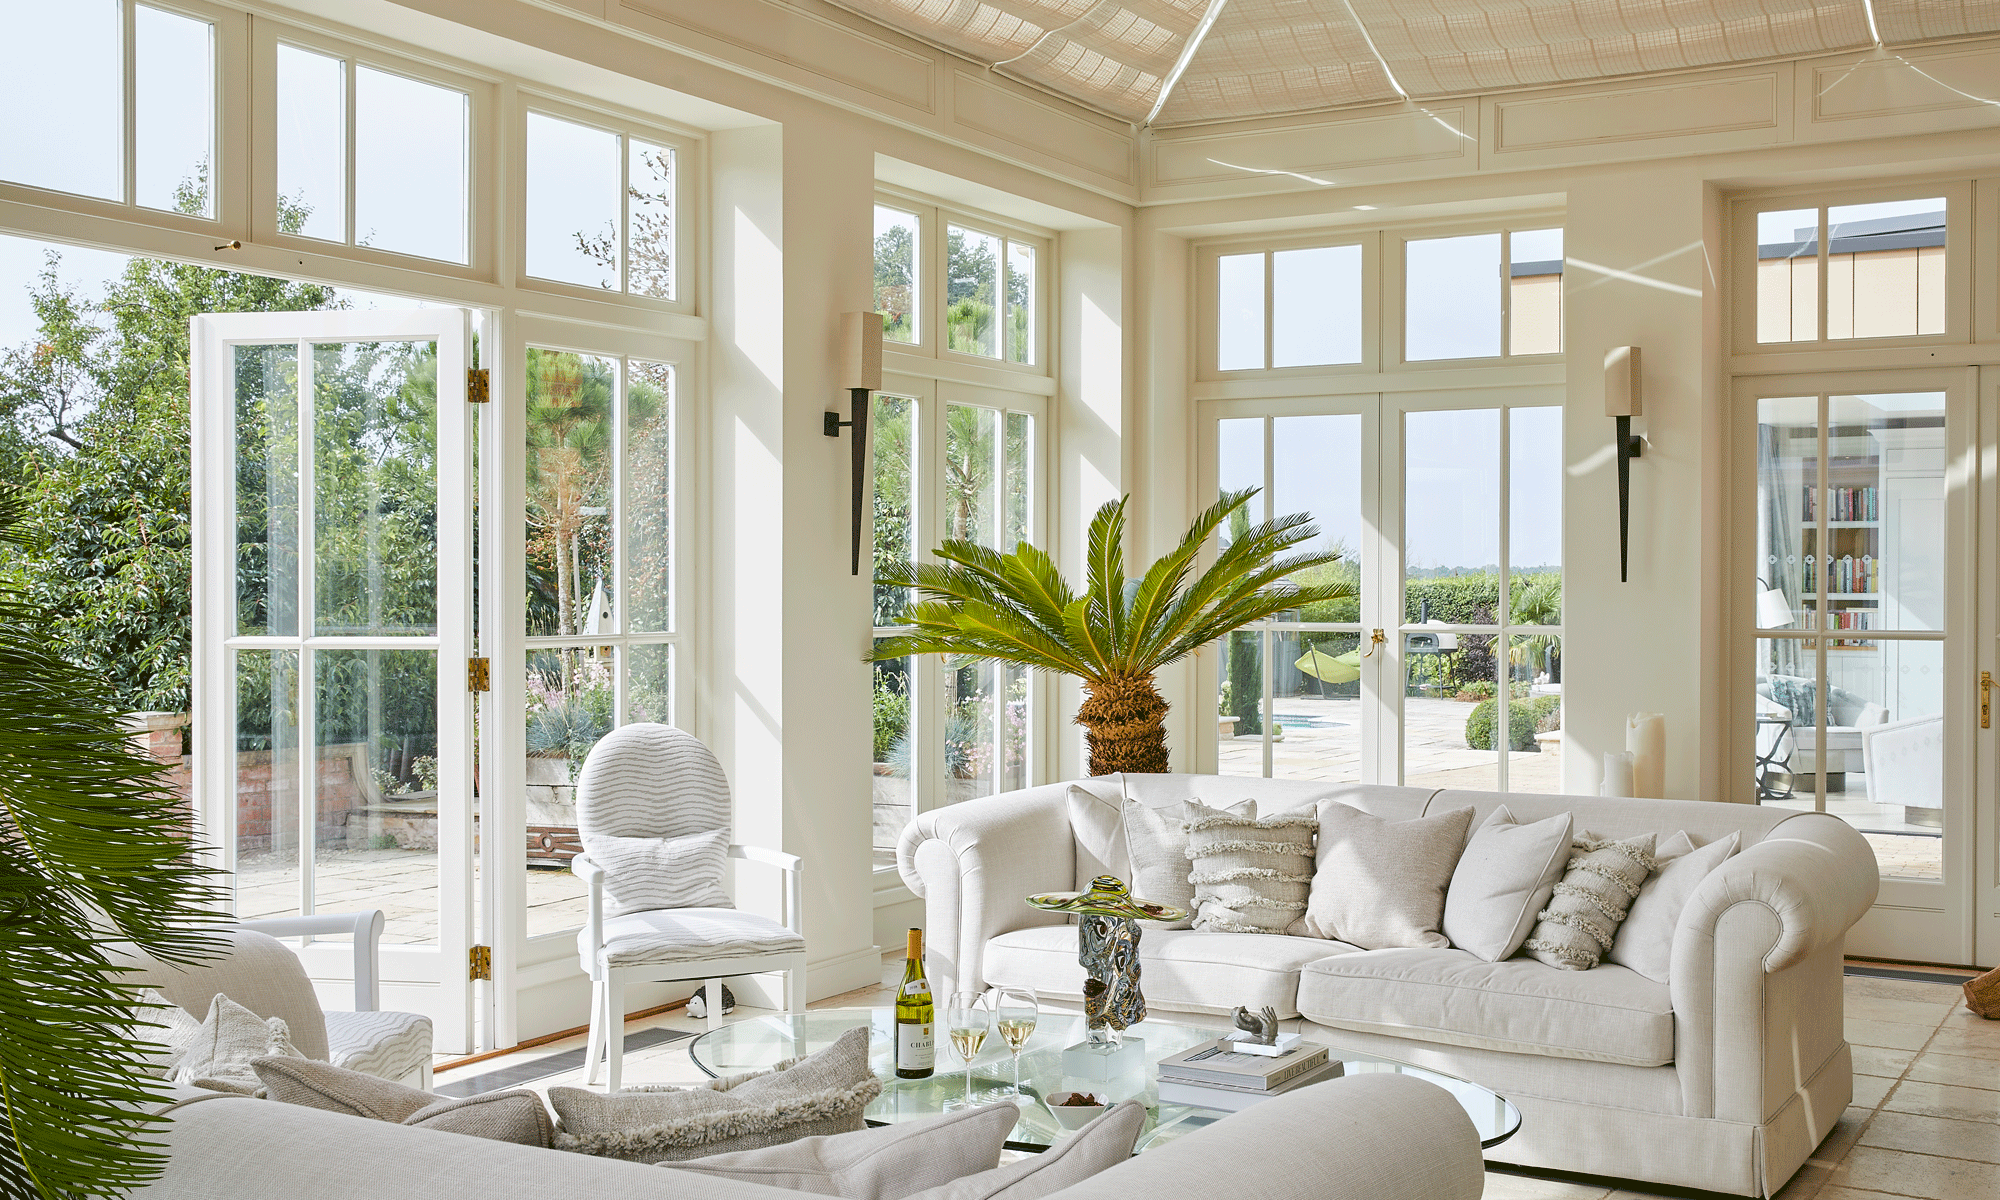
(1266, 57)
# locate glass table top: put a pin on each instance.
(762, 1042)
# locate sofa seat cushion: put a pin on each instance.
(1607, 1014)
(1181, 970)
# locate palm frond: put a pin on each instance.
(1104, 570)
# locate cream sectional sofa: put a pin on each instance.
(1724, 1078)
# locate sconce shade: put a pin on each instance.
(1773, 610)
(1621, 382)
(861, 351)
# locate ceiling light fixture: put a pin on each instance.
(1187, 55)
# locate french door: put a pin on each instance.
(333, 607)
(1444, 668)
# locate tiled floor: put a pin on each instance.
(1925, 1120)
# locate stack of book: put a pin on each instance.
(1217, 1075)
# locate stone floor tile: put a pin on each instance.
(1870, 1090)
(1887, 1034)
(1845, 1193)
(1501, 1186)
(1901, 989)
(1879, 1060)
(1963, 1070)
(1906, 1012)
(1943, 1100)
(1979, 1140)
(1919, 1175)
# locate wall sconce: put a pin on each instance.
(861, 375)
(1622, 403)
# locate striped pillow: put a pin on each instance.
(645, 873)
(1250, 875)
(1582, 919)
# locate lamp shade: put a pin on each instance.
(861, 351)
(1773, 610)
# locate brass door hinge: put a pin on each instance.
(478, 675)
(482, 962)
(478, 385)
(1986, 699)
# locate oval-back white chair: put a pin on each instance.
(643, 787)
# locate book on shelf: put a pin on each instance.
(1236, 1099)
(1842, 504)
(1218, 1061)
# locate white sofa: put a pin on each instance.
(1373, 1137)
(1724, 1079)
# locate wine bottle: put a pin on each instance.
(916, 1046)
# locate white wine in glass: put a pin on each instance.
(967, 1022)
(1015, 1011)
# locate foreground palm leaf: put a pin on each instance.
(979, 603)
(94, 849)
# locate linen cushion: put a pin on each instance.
(1098, 1146)
(671, 935)
(1577, 928)
(218, 1054)
(392, 1045)
(259, 972)
(1380, 884)
(511, 1116)
(1251, 874)
(822, 1093)
(164, 1031)
(1184, 970)
(1099, 828)
(1519, 1006)
(1156, 846)
(1505, 877)
(874, 1164)
(1646, 940)
(645, 873)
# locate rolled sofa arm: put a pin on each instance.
(1815, 875)
(1367, 1137)
(973, 863)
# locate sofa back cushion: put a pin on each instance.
(1250, 873)
(1380, 884)
(1621, 817)
(1505, 877)
(1272, 795)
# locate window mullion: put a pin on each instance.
(129, 108)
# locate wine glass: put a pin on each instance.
(967, 1022)
(1015, 1010)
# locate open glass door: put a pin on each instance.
(333, 627)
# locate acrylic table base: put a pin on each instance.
(1101, 1061)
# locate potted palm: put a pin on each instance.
(1117, 632)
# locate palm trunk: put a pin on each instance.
(1124, 721)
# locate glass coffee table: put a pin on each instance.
(762, 1042)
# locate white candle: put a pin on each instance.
(1617, 774)
(1646, 738)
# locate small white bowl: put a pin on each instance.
(1073, 1117)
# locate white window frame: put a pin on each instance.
(1397, 291)
(931, 273)
(1208, 260)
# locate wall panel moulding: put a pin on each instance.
(1678, 116)
(1340, 151)
(786, 37)
(1098, 145)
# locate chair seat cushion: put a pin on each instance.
(1181, 970)
(673, 935)
(1607, 1014)
(387, 1045)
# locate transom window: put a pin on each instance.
(989, 276)
(1881, 267)
(600, 207)
(1289, 308)
(1483, 295)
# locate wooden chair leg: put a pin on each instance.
(593, 1055)
(614, 1028)
(714, 999)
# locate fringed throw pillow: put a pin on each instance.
(1250, 875)
(1591, 901)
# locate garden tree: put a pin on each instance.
(570, 399)
(650, 240)
(895, 275)
(891, 430)
(972, 272)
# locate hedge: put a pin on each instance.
(1530, 717)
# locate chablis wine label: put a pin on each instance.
(916, 1028)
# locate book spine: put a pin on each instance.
(1246, 1080)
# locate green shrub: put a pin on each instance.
(1542, 714)
(892, 718)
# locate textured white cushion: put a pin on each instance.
(1380, 884)
(387, 1045)
(1646, 940)
(1156, 846)
(671, 935)
(1250, 874)
(1505, 877)
(1098, 1146)
(874, 1164)
(645, 873)
(509, 1116)
(1182, 970)
(1577, 928)
(1099, 827)
(218, 1054)
(166, 1029)
(1451, 996)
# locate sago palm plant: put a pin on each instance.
(1116, 633)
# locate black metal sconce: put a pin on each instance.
(1622, 403)
(861, 375)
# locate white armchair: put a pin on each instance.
(655, 781)
(1904, 761)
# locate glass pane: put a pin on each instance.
(1019, 482)
(972, 723)
(1240, 706)
(1898, 801)
(1787, 537)
(1534, 295)
(1534, 714)
(1451, 297)
(1316, 469)
(896, 273)
(571, 703)
(649, 198)
(1239, 336)
(1885, 269)
(972, 292)
(1239, 465)
(893, 747)
(649, 497)
(1316, 708)
(1534, 516)
(572, 208)
(1315, 306)
(649, 684)
(312, 144)
(375, 487)
(267, 490)
(267, 784)
(174, 74)
(1788, 275)
(375, 800)
(1451, 515)
(892, 432)
(1013, 721)
(68, 51)
(1451, 710)
(1885, 557)
(411, 142)
(972, 474)
(570, 580)
(1786, 693)
(1020, 303)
